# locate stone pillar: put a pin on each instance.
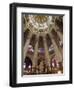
(34, 60)
(26, 44)
(56, 49)
(47, 57)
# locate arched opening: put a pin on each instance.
(41, 51)
(41, 42)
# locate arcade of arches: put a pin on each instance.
(42, 44)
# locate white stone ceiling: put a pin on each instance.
(40, 23)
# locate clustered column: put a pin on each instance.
(27, 43)
(47, 57)
(35, 55)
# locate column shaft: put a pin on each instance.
(46, 51)
(27, 43)
(34, 60)
(35, 53)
